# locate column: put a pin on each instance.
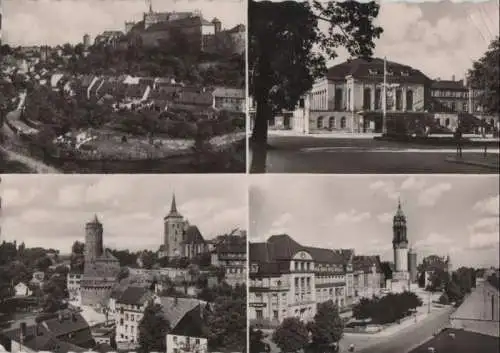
(403, 97)
(372, 98)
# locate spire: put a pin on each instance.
(96, 220)
(173, 206)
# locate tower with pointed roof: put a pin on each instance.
(93, 241)
(174, 226)
(400, 246)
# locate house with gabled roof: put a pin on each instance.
(288, 279)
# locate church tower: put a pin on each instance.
(174, 231)
(400, 243)
(93, 241)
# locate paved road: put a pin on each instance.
(479, 312)
(306, 154)
(414, 335)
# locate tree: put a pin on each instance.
(443, 299)
(437, 280)
(453, 291)
(282, 62)
(485, 76)
(153, 329)
(124, 273)
(257, 344)
(327, 327)
(227, 324)
(291, 335)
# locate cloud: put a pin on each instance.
(281, 224)
(71, 195)
(485, 224)
(489, 205)
(352, 216)
(479, 241)
(413, 183)
(17, 197)
(430, 196)
(386, 187)
(385, 217)
(433, 240)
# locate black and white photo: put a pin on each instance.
(374, 263)
(123, 86)
(89, 263)
(374, 87)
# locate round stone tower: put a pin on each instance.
(93, 240)
(400, 241)
(173, 231)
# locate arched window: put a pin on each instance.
(367, 98)
(343, 121)
(398, 99)
(319, 122)
(409, 100)
(378, 96)
(331, 123)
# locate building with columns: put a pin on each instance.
(349, 98)
(288, 279)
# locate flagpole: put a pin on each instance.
(384, 100)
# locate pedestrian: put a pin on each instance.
(458, 140)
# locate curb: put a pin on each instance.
(480, 164)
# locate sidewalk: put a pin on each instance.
(491, 161)
(329, 135)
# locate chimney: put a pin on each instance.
(453, 77)
(176, 301)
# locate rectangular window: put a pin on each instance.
(258, 313)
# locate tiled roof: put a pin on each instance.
(134, 296)
(193, 236)
(448, 84)
(180, 23)
(365, 263)
(229, 92)
(237, 29)
(194, 98)
(282, 247)
(374, 67)
(174, 309)
(325, 255)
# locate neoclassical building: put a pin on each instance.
(288, 279)
(349, 97)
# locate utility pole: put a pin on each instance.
(493, 307)
(429, 304)
(384, 100)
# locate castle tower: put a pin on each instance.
(93, 241)
(86, 41)
(217, 25)
(173, 231)
(400, 241)
(412, 265)
(448, 264)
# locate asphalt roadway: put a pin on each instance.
(344, 155)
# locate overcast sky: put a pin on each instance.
(441, 38)
(445, 214)
(52, 22)
(51, 211)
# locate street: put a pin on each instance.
(479, 312)
(400, 341)
(307, 154)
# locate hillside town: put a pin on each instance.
(164, 95)
(99, 299)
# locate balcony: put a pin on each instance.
(270, 288)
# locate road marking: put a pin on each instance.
(389, 150)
